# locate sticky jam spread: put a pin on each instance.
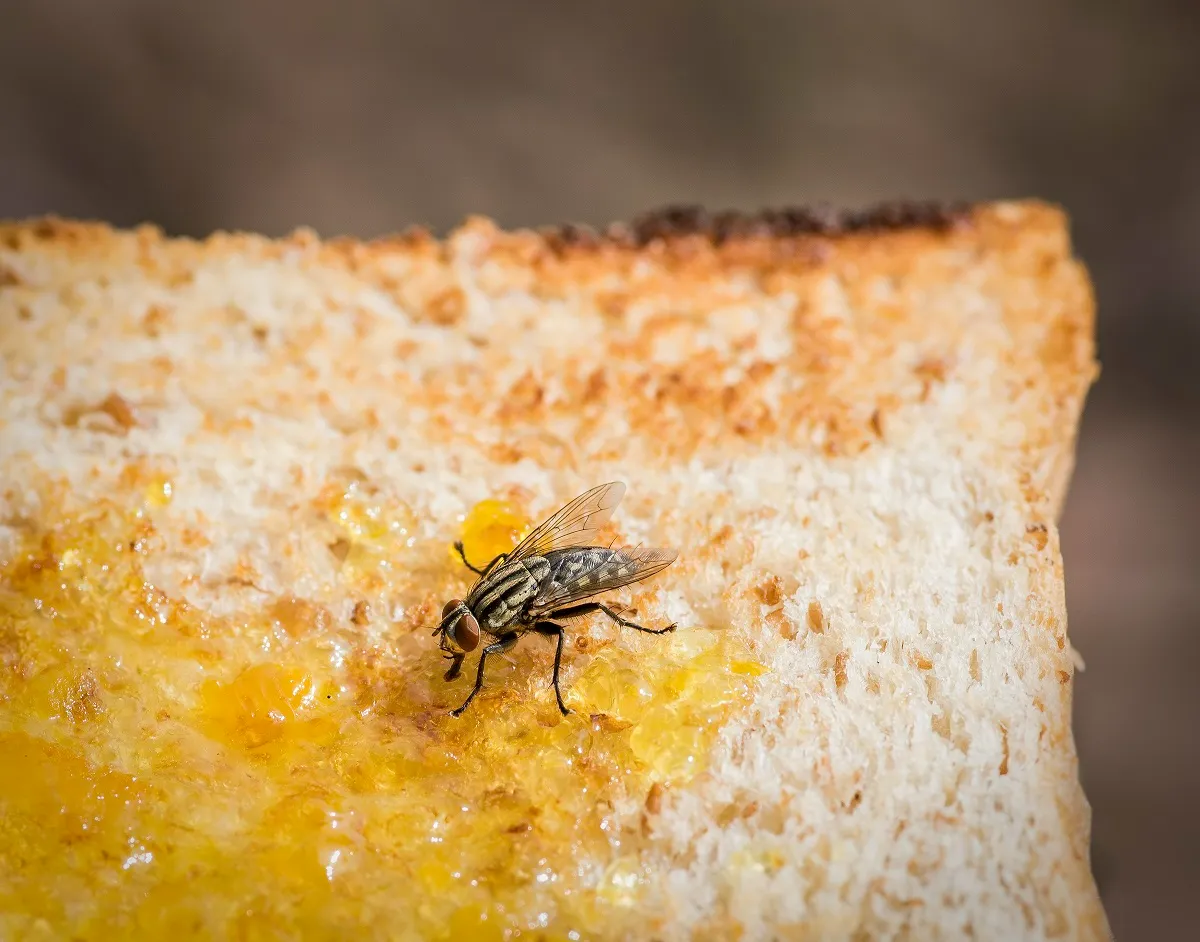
(172, 773)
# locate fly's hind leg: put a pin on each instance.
(550, 629)
(587, 608)
(505, 643)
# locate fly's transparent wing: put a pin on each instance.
(574, 525)
(627, 566)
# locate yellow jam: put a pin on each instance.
(171, 774)
(491, 528)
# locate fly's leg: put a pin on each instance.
(587, 608)
(456, 667)
(462, 553)
(463, 556)
(549, 628)
(499, 647)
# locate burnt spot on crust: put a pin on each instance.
(571, 235)
(678, 221)
(690, 221)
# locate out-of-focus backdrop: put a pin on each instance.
(364, 117)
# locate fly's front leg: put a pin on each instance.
(462, 554)
(456, 667)
(587, 608)
(549, 628)
(499, 647)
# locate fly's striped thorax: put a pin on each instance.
(499, 598)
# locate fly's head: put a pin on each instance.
(459, 631)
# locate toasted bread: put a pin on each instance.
(233, 470)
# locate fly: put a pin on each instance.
(546, 578)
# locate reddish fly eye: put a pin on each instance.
(450, 606)
(466, 632)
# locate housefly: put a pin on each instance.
(544, 579)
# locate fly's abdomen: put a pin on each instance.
(572, 567)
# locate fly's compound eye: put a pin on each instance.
(449, 607)
(466, 633)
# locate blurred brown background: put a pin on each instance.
(367, 117)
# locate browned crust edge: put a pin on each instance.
(668, 223)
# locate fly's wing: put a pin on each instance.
(574, 525)
(627, 565)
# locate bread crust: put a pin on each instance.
(778, 388)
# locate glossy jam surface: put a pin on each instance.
(491, 528)
(173, 774)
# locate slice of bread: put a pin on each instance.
(232, 474)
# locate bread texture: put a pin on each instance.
(247, 458)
